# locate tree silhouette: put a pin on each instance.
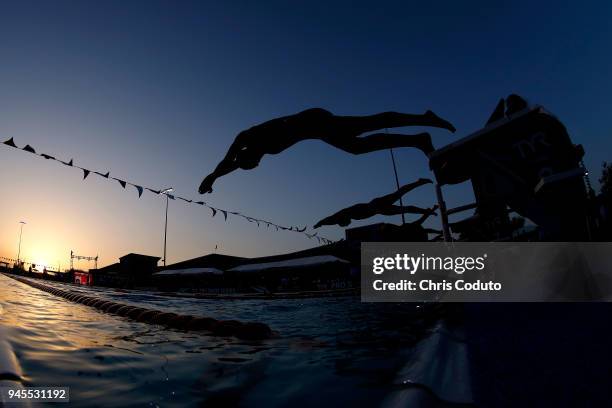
(606, 181)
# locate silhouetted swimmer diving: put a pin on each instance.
(342, 132)
(381, 205)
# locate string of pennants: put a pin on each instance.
(140, 189)
(11, 260)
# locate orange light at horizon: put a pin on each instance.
(46, 257)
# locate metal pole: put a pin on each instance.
(443, 215)
(19, 250)
(397, 183)
(166, 229)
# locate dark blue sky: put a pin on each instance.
(156, 91)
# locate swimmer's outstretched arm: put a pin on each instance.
(223, 168)
(341, 218)
(226, 166)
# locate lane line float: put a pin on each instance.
(235, 328)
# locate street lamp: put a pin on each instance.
(20, 234)
(165, 192)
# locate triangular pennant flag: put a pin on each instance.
(29, 148)
(123, 183)
(224, 214)
(11, 143)
(85, 173)
(67, 163)
(140, 190)
(235, 213)
(214, 211)
(184, 199)
(153, 191)
(200, 202)
(103, 175)
(46, 156)
(170, 196)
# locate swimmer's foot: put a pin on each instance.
(423, 180)
(437, 121)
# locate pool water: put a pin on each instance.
(328, 351)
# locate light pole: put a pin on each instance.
(165, 192)
(19, 250)
(397, 183)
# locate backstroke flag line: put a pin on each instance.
(140, 189)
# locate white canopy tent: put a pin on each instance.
(310, 261)
(189, 271)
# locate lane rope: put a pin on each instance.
(215, 327)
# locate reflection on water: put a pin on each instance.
(335, 350)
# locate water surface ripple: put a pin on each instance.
(336, 350)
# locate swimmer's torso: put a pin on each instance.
(279, 134)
